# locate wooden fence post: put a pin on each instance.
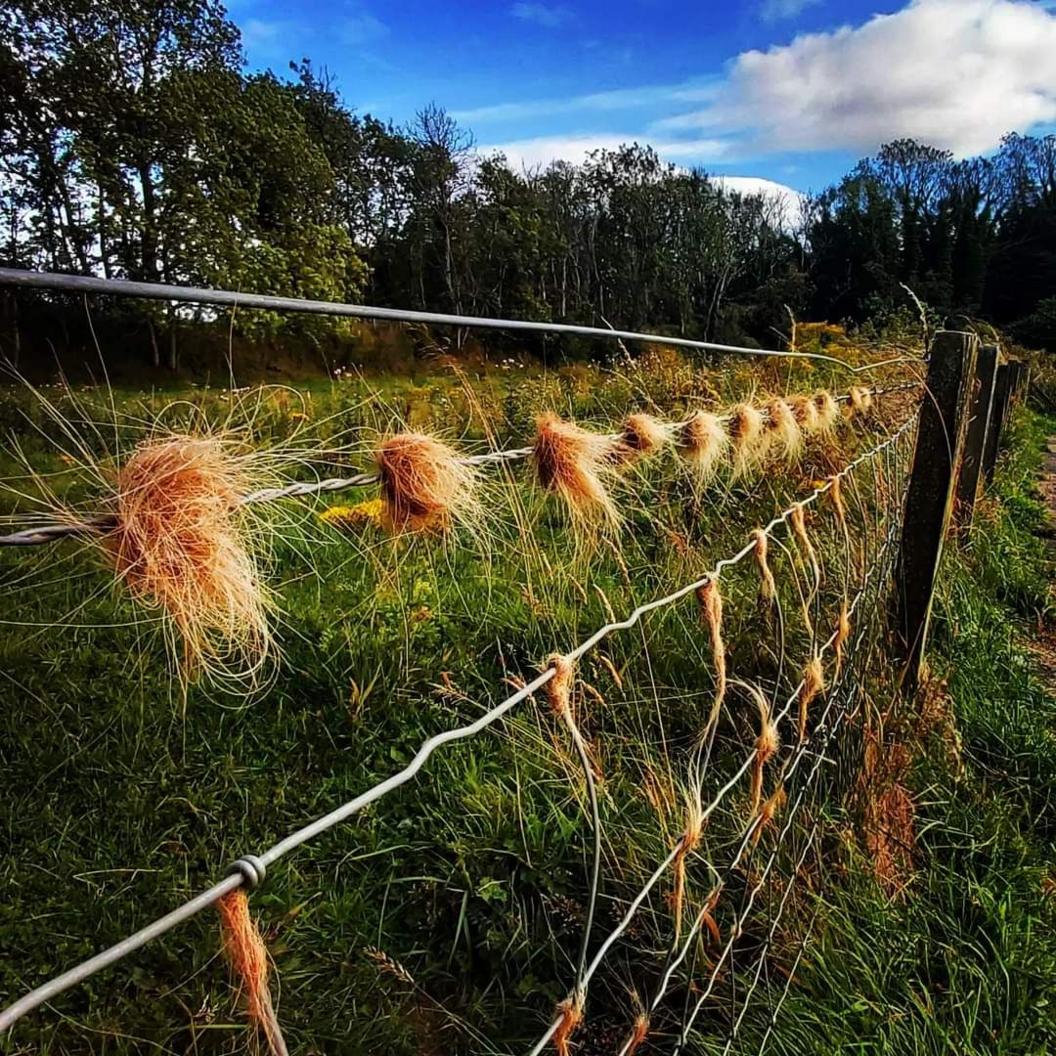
(997, 419)
(975, 440)
(930, 494)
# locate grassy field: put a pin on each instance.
(447, 917)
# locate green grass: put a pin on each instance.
(966, 961)
(122, 799)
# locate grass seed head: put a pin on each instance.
(425, 485)
(180, 544)
(576, 465)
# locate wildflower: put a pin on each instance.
(358, 516)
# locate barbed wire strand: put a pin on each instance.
(83, 284)
(250, 869)
(101, 523)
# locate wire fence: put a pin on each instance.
(800, 773)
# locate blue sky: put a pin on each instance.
(787, 90)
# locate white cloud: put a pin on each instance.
(549, 15)
(541, 150)
(615, 99)
(955, 73)
(790, 201)
(776, 10)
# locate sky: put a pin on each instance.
(789, 91)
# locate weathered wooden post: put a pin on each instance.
(997, 419)
(932, 485)
(975, 440)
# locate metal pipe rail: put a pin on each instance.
(157, 291)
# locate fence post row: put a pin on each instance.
(975, 440)
(929, 497)
(998, 413)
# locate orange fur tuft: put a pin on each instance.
(644, 435)
(813, 685)
(249, 958)
(828, 410)
(747, 437)
(860, 401)
(424, 484)
(559, 688)
(179, 544)
(805, 411)
(782, 429)
(576, 465)
(710, 600)
(702, 442)
(767, 586)
(571, 1011)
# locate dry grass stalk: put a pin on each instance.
(249, 958)
(813, 684)
(571, 1013)
(644, 435)
(828, 411)
(180, 543)
(767, 586)
(747, 438)
(783, 431)
(425, 485)
(710, 600)
(805, 411)
(703, 443)
(575, 465)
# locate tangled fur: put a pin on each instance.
(828, 411)
(813, 685)
(785, 439)
(180, 543)
(249, 958)
(425, 485)
(576, 465)
(703, 443)
(643, 435)
(747, 438)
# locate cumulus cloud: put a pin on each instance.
(955, 73)
(549, 15)
(791, 202)
(541, 150)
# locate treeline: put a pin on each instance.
(133, 143)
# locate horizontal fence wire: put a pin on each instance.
(85, 284)
(102, 523)
(250, 869)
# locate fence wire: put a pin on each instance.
(887, 461)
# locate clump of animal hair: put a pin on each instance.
(812, 686)
(642, 436)
(828, 410)
(425, 484)
(767, 585)
(783, 431)
(576, 465)
(570, 1012)
(703, 444)
(860, 400)
(767, 744)
(180, 543)
(805, 411)
(747, 438)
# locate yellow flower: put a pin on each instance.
(357, 516)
